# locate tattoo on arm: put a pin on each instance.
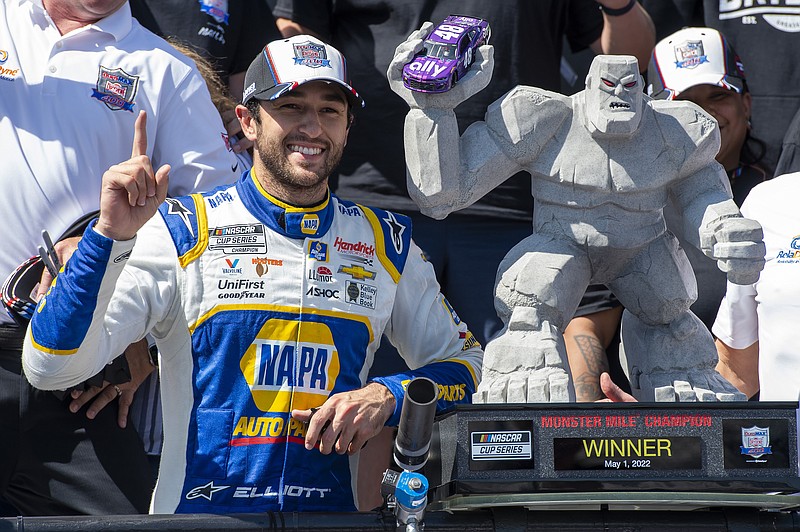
(587, 384)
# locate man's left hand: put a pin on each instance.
(347, 420)
(139, 362)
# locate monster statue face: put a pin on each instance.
(613, 95)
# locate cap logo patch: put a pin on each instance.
(311, 55)
(216, 9)
(690, 54)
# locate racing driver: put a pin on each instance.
(267, 300)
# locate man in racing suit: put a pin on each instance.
(267, 299)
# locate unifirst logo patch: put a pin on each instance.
(291, 364)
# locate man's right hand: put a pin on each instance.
(131, 192)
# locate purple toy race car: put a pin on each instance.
(448, 53)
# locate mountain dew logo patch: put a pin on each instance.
(291, 365)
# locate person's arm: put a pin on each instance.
(290, 28)
(739, 366)
(587, 338)
(431, 338)
(631, 33)
(99, 304)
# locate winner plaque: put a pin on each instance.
(513, 449)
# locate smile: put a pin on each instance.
(619, 105)
(304, 150)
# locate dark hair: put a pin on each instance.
(253, 105)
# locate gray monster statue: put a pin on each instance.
(603, 164)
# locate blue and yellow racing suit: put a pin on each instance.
(257, 308)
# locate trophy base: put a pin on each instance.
(621, 455)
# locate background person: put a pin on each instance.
(755, 323)
(98, 69)
(760, 32)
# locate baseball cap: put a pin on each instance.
(693, 56)
(287, 63)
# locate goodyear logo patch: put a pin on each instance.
(291, 365)
(506, 445)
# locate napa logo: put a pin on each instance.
(291, 364)
(309, 224)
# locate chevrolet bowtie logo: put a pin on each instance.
(357, 272)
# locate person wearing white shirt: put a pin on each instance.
(74, 76)
(756, 323)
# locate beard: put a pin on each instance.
(291, 176)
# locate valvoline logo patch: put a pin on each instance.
(291, 364)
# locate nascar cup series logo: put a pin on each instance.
(291, 364)
(311, 55)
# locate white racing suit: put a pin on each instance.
(257, 308)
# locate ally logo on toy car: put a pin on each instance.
(448, 53)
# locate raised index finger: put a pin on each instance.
(140, 135)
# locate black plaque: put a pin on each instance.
(631, 453)
(699, 447)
